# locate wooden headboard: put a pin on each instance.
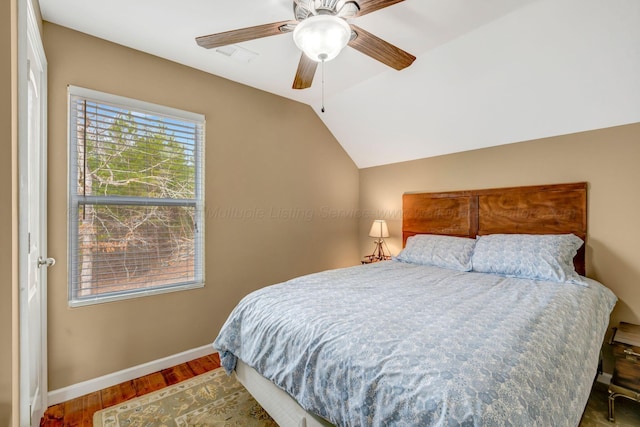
(542, 209)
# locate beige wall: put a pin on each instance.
(272, 158)
(266, 156)
(5, 211)
(608, 159)
(8, 206)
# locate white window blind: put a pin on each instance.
(135, 198)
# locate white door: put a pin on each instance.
(33, 262)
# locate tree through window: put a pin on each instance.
(136, 199)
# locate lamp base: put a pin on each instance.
(368, 259)
(378, 253)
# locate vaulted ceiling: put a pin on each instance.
(487, 72)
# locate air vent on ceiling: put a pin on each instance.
(237, 53)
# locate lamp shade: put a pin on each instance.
(379, 229)
(322, 37)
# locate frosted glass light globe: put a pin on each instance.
(322, 37)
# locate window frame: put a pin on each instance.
(76, 200)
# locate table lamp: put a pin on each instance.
(379, 230)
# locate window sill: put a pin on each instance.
(102, 298)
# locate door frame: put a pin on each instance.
(29, 39)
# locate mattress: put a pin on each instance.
(402, 344)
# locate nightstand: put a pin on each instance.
(626, 374)
(372, 258)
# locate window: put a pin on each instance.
(135, 198)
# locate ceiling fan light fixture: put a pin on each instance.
(322, 37)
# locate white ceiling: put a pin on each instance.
(487, 72)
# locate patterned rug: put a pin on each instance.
(211, 399)
(627, 412)
(215, 399)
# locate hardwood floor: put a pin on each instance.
(79, 412)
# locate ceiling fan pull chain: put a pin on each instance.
(322, 109)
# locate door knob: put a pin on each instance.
(49, 262)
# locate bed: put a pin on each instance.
(484, 318)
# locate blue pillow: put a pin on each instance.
(547, 257)
(440, 251)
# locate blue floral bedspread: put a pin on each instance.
(401, 344)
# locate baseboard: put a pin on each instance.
(85, 387)
(80, 389)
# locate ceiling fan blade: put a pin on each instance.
(368, 6)
(304, 74)
(380, 50)
(244, 34)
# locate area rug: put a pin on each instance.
(211, 399)
(215, 399)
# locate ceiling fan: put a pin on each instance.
(317, 24)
